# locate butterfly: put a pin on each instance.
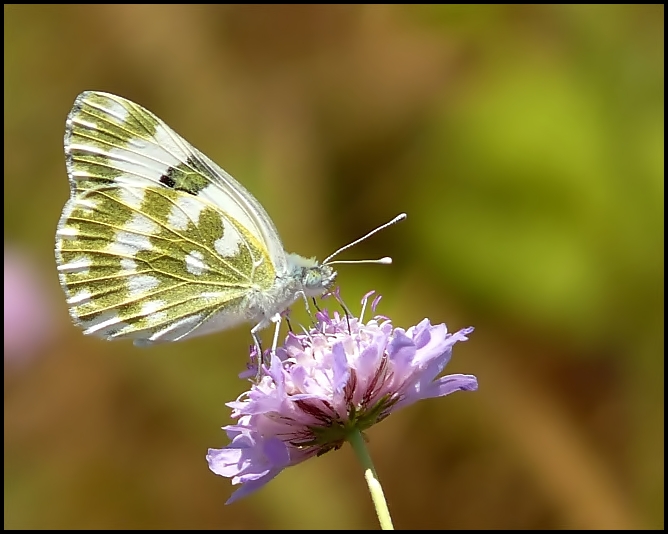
(157, 243)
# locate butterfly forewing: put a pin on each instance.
(151, 244)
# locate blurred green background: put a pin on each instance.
(526, 145)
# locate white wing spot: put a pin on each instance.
(82, 174)
(195, 263)
(107, 324)
(186, 209)
(80, 265)
(128, 266)
(80, 298)
(176, 330)
(132, 197)
(81, 122)
(228, 245)
(141, 224)
(66, 231)
(90, 149)
(153, 308)
(142, 284)
(128, 244)
(86, 204)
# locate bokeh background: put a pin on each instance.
(526, 145)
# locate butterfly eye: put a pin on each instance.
(319, 278)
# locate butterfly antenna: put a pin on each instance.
(385, 261)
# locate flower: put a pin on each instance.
(342, 375)
(28, 327)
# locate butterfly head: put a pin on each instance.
(315, 278)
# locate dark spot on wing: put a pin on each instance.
(190, 177)
(168, 179)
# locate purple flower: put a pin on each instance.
(342, 375)
(28, 327)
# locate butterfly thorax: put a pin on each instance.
(302, 278)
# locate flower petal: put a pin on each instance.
(401, 350)
(251, 486)
(449, 384)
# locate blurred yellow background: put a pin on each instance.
(526, 145)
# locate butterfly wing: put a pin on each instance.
(156, 242)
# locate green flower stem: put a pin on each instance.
(358, 444)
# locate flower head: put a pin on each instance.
(28, 327)
(342, 375)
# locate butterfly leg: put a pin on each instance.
(276, 319)
(306, 305)
(259, 357)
